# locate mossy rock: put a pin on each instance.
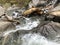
(20, 3)
(7, 5)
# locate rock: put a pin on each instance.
(37, 3)
(55, 13)
(2, 10)
(50, 30)
(56, 8)
(13, 7)
(5, 25)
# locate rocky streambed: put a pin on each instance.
(32, 30)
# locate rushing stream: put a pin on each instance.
(13, 38)
(36, 39)
(26, 24)
(33, 30)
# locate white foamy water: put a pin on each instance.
(36, 39)
(31, 39)
(28, 25)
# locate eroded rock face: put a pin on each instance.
(50, 30)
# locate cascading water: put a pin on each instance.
(36, 39)
(26, 24)
(24, 33)
(29, 24)
(26, 39)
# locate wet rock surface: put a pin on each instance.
(47, 28)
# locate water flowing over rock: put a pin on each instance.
(24, 36)
(36, 39)
(34, 30)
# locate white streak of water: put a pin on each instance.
(27, 26)
(36, 39)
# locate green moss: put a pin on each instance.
(20, 3)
